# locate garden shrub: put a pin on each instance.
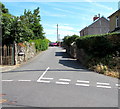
(100, 45)
(41, 44)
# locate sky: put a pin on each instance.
(71, 17)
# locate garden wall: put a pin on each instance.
(24, 51)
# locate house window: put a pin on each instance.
(117, 21)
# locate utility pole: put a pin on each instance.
(57, 33)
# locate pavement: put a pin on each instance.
(4, 68)
(53, 79)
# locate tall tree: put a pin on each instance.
(6, 22)
(20, 29)
(37, 27)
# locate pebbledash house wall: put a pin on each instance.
(100, 26)
(112, 18)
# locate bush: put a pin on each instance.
(68, 40)
(100, 45)
(41, 44)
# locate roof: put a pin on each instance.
(114, 13)
(98, 20)
(95, 22)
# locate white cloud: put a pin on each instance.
(47, 13)
(50, 31)
(64, 27)
(102, 6)
(63, 10)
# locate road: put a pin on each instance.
(53, 79)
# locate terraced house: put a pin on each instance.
(100, 25)
(115, 20)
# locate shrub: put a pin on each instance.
(68, 40)
(40, 44)
(100, 45)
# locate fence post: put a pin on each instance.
(4, 55)
(13, 55)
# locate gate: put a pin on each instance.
(7, 55)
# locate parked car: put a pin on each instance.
(53, 44)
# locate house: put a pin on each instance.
(115, 20)
(99, 26)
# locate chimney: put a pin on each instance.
(95, 17)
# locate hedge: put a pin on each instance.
(100, 45)
(40, 44)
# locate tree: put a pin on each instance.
(21, 28)
(6, 22)
(36, 26)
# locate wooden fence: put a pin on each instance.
(7, 55)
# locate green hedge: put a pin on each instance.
(68, 40)
(100, 45)
(40, 44)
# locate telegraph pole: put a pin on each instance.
(57, 33)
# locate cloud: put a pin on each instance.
(47, 13)
(64, 27)
(63, 10)
(98, 4)
(64, 30)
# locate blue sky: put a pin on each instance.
(70, 16)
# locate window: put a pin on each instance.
(117, 21)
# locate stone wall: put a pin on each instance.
(76, 53)
(24, 51)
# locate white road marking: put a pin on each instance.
(118, 85)
(64, 79)
(62, 82)
(24, 80)
(48, 78)
(103, 86)
(82, 84)
(42, 75)
(103, 83)
(83, 81)
(44, 81)
(7, 80)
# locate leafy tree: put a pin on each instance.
(6, 22)
(22, 28)
(37, 27)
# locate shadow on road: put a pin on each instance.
(63, 54)
(14, 71)
(69, 61)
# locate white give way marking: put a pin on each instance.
(41, 77)
(66, 81)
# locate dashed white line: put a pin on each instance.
(8, 80)
(82, 84)
(64, 79)
(24, 80)
(42, 75)
(44, 81)
(83, 81)
(103, 83)
(61, 82)
(118, 85)
(103, 86)
(48, 78)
